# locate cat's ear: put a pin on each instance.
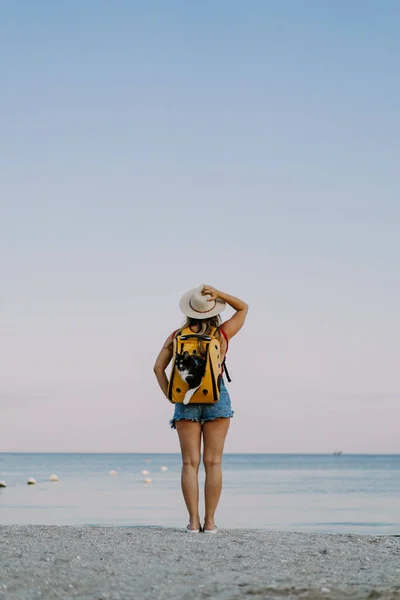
(186, 354)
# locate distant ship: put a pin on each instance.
(337, 453)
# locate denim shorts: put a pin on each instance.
(204, 412)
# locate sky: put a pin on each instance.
(147, 148)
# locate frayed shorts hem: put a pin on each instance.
(173, 421)
(200, 413)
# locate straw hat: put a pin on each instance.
(198, 306)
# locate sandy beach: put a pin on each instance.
(109, 563)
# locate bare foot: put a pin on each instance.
(209, 524)
(194, 524)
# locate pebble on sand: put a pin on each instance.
(148, 480)
(113, 472)
(164, 468)
(54, 477)
(144, 472)
(3, 484)
(31, 481)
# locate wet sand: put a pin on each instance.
(109, 563)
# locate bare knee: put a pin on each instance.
(191, 461)
(210, 462)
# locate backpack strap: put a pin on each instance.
(226, 338)
(224, 368)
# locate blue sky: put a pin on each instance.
(147, 148)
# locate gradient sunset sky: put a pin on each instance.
(149, 147)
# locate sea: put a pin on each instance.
(283, 492)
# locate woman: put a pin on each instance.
(202, 307)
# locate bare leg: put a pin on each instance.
(190, 439)
(214, 434)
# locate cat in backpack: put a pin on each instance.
(191, 369)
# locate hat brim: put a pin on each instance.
(187, 310)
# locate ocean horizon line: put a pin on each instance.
(341, 453)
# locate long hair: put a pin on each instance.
(205, 326)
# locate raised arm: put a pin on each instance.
(162, 362)
(236, 322)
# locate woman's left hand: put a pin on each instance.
(208, 289)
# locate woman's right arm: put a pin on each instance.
(236, 322)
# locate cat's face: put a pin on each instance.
(186, 362)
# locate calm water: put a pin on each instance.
(347, 493)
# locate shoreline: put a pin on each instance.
(129, 562)
(231, 529)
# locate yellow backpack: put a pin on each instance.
(196, 372)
